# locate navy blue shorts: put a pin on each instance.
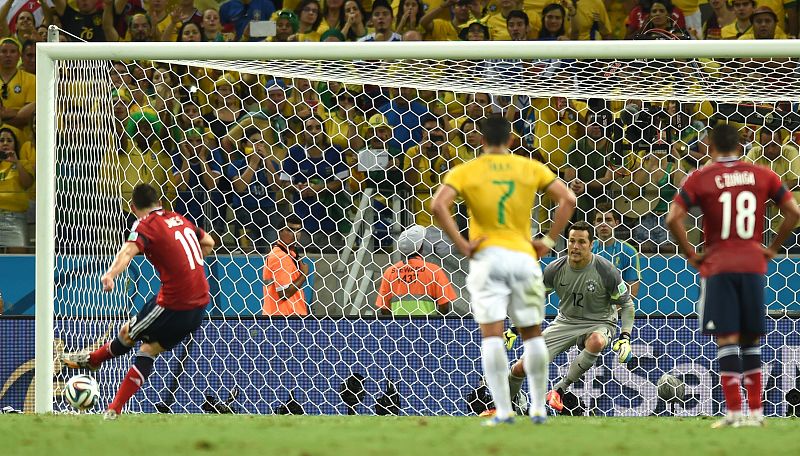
(733, 303)
(167, 327)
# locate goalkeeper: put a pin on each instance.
(590, 290)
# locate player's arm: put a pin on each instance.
(120, 263)
(675, 222)
(441, 207)
(565, 202)
(207, 244)
(791, 215)
(620, 295)
(108, 21)
(59, 5)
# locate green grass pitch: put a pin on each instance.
(241, 435)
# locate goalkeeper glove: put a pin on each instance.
(510, 336)
(623, 348)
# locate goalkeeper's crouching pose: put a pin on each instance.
(590, 291)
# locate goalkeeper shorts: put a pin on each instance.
(504, 282)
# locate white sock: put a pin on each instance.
(535, 360)
(495, 371)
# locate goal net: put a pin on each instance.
(356, 147)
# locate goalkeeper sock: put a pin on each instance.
(495, 371)
(751, 377)
(514, 385)
(730, 372)
(534, 360)
(582, 363)
(134, 379)
(110, 350)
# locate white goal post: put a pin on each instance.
(50, 55)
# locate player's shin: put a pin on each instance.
(751, 377)
(534, 360)
(515, 383)
(110, 350)
(495, 370)
(730, 372)
(582, 363)
(134, 379)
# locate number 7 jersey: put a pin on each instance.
(733, 196)
(500, 191)
(172, 244)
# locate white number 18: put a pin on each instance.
(745, 214)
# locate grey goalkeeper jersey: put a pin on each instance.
(589, 294)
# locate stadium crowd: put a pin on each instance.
(239, 152)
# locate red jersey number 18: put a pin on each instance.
(191, 246)
(745, 215)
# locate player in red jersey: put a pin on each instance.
(176, 248)
(733, 196)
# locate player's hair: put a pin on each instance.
(517, 14)
(496, 131)
(725, 138)
(144, 196)
(291, 220)
(583, 226)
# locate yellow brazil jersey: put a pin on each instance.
(584, 15)
(779, 7)
(779, 34)
(13, 196)
(498, 29)
(500, 192)
(19, 90)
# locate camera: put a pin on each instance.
(3, 155)
(437, 138)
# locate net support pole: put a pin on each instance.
(45, 227)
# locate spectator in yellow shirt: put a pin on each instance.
(309, 12)
(443, 29)
(497, 21)
(18, 90)
(591, 21)
(355, 25)
(764, 25)
(16, 177)
(743, 9)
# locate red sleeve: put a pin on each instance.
(140, 235)
(687, 195)
(385, 291)
(448, 295)
(633, 20)
(680, 18)
(777, 190)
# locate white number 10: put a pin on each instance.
(745, 214)
(191, 246)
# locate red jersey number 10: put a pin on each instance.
(191, 246)
(744, 217)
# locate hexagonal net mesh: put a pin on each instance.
(356, 149)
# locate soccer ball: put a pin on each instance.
(81, 392)
(670, 388)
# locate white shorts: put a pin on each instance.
(502, 283)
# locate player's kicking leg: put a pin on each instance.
(137, 374)
(92, 360)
